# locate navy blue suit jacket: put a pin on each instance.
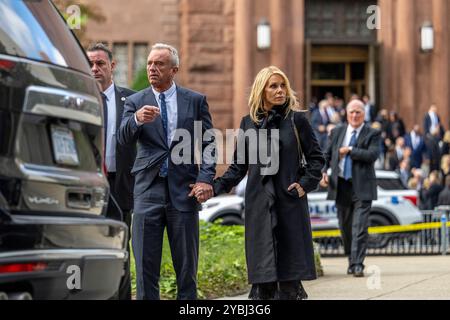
(152, 147)
(418, 152)
(427, 125)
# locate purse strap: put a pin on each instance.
(301, 155)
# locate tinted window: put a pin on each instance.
(35, 30)
(390, 184)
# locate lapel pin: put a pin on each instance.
(123, 98)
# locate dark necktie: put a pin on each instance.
(163, 107)
(348, 159)
(325, 118)
(105, 114)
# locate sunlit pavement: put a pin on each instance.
(386, 278)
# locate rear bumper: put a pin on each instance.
(84, 257)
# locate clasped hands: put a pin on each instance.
(202, 191)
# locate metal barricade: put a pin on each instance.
(431, 237)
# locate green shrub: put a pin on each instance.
(140, 80)
(222, 267)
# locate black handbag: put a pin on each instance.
(301, 156)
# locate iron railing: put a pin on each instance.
(431, 237)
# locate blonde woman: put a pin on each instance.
(445, 165)
(445, 148)
(278, 240)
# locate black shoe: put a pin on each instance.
(350, 270)
(358, 271)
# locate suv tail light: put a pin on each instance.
(7, 65)
(23, 267)
(413, 199)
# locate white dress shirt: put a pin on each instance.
(110, 153)
(367, 112)
(346, 142)
(172, 110)
(415, 139)
(434, 121)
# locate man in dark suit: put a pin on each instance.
(118, 159)
(351, 153)
(319, 123)
(416, 142)
(154, 118)
(432, 122)
(369, 109)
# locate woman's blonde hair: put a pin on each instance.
(446, 136)
(256, 100)
(445, 163)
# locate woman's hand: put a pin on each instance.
(299, 188)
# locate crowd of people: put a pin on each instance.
(421, 156)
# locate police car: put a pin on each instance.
(396, 205)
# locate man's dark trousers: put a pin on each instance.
(153, 212)
(124, 292)
(353, 216)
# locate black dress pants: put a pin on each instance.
(353, 216)
(113, 212)
(153, 212)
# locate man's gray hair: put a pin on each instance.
(356, 103)
(173, 52)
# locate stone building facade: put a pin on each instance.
(323, 45)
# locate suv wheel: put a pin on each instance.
(378, 241)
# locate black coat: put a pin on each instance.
(363, 155)
(278, 238)
(431, 196)
(125, 156)
(444, 197)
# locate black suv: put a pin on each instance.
(55, 242)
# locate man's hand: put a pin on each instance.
(322, 128)
(343, 152)
(324, 182)
(299, 188)
(202, 191)
(147, 114)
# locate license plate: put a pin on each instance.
(64, 148)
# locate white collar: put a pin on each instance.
(168, 93)
(358, 130)
(109, 91)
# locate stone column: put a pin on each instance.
(242, 73)
(298, 49)
(440, 63)
(387, 54)
(278, 16)
(405, 64)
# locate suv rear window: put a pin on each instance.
(391, 184)
(34, 29)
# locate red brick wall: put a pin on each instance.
(207, 28)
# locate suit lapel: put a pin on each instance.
(183, 105)
(120, 100)
(150, 99)
(341, 136)
(362, 134)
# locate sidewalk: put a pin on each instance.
(404, 278)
